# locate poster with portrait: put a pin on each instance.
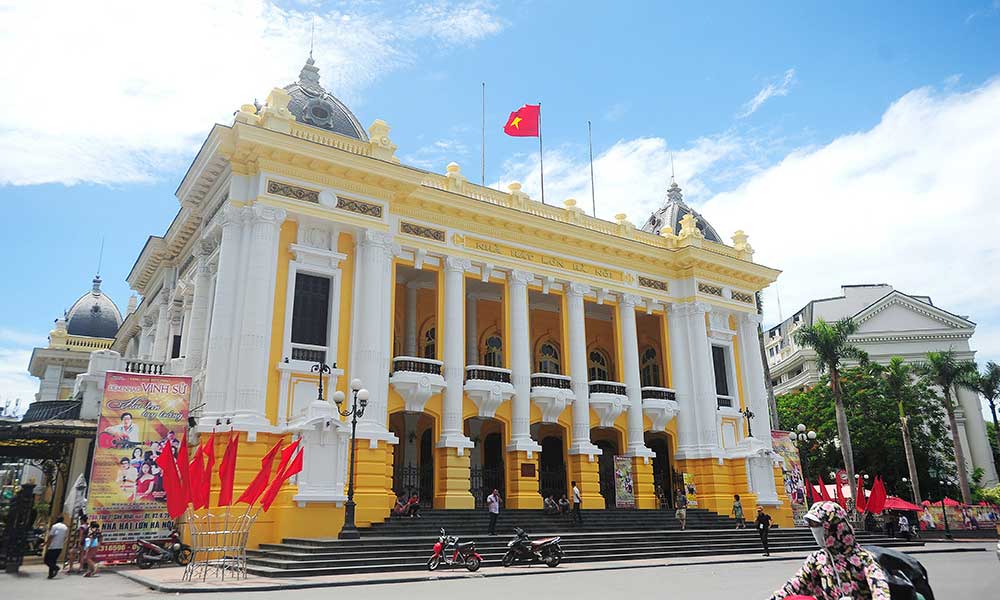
(142, 416)
(690, 490)
(624, 484)
(791, 471)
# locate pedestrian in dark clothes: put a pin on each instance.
(763, 523)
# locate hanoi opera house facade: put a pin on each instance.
(505, 343)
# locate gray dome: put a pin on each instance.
(313, 105)
(673, 210)
(94, 315)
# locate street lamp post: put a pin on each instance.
(357, 410)
(801, 435)
(746, 412)
(944, 513)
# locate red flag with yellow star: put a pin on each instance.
(523, 122)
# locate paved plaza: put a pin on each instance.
(974, 574)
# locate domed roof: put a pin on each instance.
(673, 210)
(313, 105)
(94, 314)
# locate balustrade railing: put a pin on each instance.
(413, 364)
(725, 401)
(550, 380)
(484, 373)
(307, 353)
(658, 393)
(607, 387)
(146, 367)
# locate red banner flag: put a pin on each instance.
(184, 469)
(860, 502)
(206, 482)
(839, 491)
(176, 503)
(524, 122)
(876, 500)
(275, 485)
(259, 483)
(810, 492)
(823, 493)
(272, 491)
(196, 469)
(227, 471)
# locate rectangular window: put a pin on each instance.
(310, 310)
(721, 371)
(175, 347)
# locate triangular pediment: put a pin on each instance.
(898, 312)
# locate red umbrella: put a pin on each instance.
(949, 502)
(894, 503)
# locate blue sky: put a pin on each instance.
(854, 142)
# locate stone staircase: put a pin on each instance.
(404, 544)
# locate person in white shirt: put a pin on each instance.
(55, 545)
(493, 505)
(577, 503)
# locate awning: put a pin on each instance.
(895, 503)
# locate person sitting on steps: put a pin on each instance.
(549, 506)
(564, 505)
(413, 506)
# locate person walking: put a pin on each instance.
(904, 526)
(493, 506)
(74, 553)
(741, 522)
(90, 545)
(681, 513)
(577, 504)
(55, 544)
(763, 523)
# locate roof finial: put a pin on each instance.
(671, 166)
(312, 36)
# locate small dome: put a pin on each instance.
(669, 216)
(313, 105)
(94, 315)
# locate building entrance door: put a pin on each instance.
(486, 461)
(413, 457)
(552, 468)
(663, 478)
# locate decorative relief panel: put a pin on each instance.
(654, 284)
(292, 191)
(357, 206)
(743, 297)
(420, 231)
(707, 288)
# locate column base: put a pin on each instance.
(640, 450)
(522, 490)
(584, 448)
(642, 480)
(452, 489)
(372, 481)
(526, 444)
(585, 471)
(455, 441)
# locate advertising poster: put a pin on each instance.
(690, 490)
(791, 471)
(624, 486)
(141, 417)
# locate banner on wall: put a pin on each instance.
(141, 417)
(959, 517)
(690, 490)
(791, 471)
(624, 484)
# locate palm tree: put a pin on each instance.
(945, 371)
(898, 383)
(987, 384)
(830, 343)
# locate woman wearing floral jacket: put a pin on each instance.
(841, 568)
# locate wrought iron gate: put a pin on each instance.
(483, 480)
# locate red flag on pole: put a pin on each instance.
(259, 483)
(272, 491)
(861, 502)
(823, 493)
(876, 500)
(227, 471)
(810, 492)
(184, 469)
(176, 503)
(206, 482)
(196, 469)
(523, 122)
(839, 491)
(275, 486)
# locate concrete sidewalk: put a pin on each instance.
(169, 579)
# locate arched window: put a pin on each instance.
(649, 370)
(430, 339)
(597, 367)
(548, 358)
(493, 356)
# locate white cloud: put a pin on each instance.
(775, 88)
(118, 92)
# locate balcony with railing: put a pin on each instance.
(145, 367)
(416, 379)
(488, 388)
(658, 393)
(660, 405)
(608, 399)
(551, 393)
(724, 401)
(309, 353)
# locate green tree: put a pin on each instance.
(987, 384)
(897, 378)
(830, 343)
(991, 432)
(945, 371)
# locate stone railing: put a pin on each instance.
(724, 401)
(658, 393)
(484, 373)
(307, 353)
(312, 134)
(413, 364)
(550, 380)
(606, 387)
(146, 367)
(87, 343)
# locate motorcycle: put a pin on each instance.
(454, 553)
(524, 549)
(173, 551)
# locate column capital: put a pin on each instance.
(262, 213)
(148, 321)
(631, 300)
(690, 308)
(232, 215)
(371, 238)
(204, 247)
(521, 277)
(750, 318)
(457, 263)
(578, 289)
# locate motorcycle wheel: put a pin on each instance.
(142, 562)
(184, 556)
(433, 563)
(472, 564)
(508, 559)
(552, 560)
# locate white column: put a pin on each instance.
(694, 382)
(453, 325)
(410, 336)
(264, 223)
(199, 308)
(975, 433)
(520, 363)
(753, 376)
(371, 345)
(186, 325)
(161, 342)
(146, 337)
(51, 381)
(217, 372)
(632, 379)
(580, 443)
(471, 330)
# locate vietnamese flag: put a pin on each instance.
(259, 483)
(841, 500)
(184, 469)
(809, 491)
(859, 502)
(275, 485)
(524, 122)
(196, 470)
(176, 502)
(272, 492)
(823, 493)
(227, 471)
(206, 482)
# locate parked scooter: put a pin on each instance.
(173, 551)
(451, 552)
(524, 549)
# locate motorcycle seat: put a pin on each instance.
(466, 545)
(542, 542)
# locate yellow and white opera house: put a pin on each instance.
(505, 343)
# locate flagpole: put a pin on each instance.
(590, 142)
(483, 158)
(541, 162)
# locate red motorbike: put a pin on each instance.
(450, 551)
(149, 553)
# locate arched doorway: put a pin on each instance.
(663, 473)
(551, 461)
(486, 460)
(609, 443)
(413, 456)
